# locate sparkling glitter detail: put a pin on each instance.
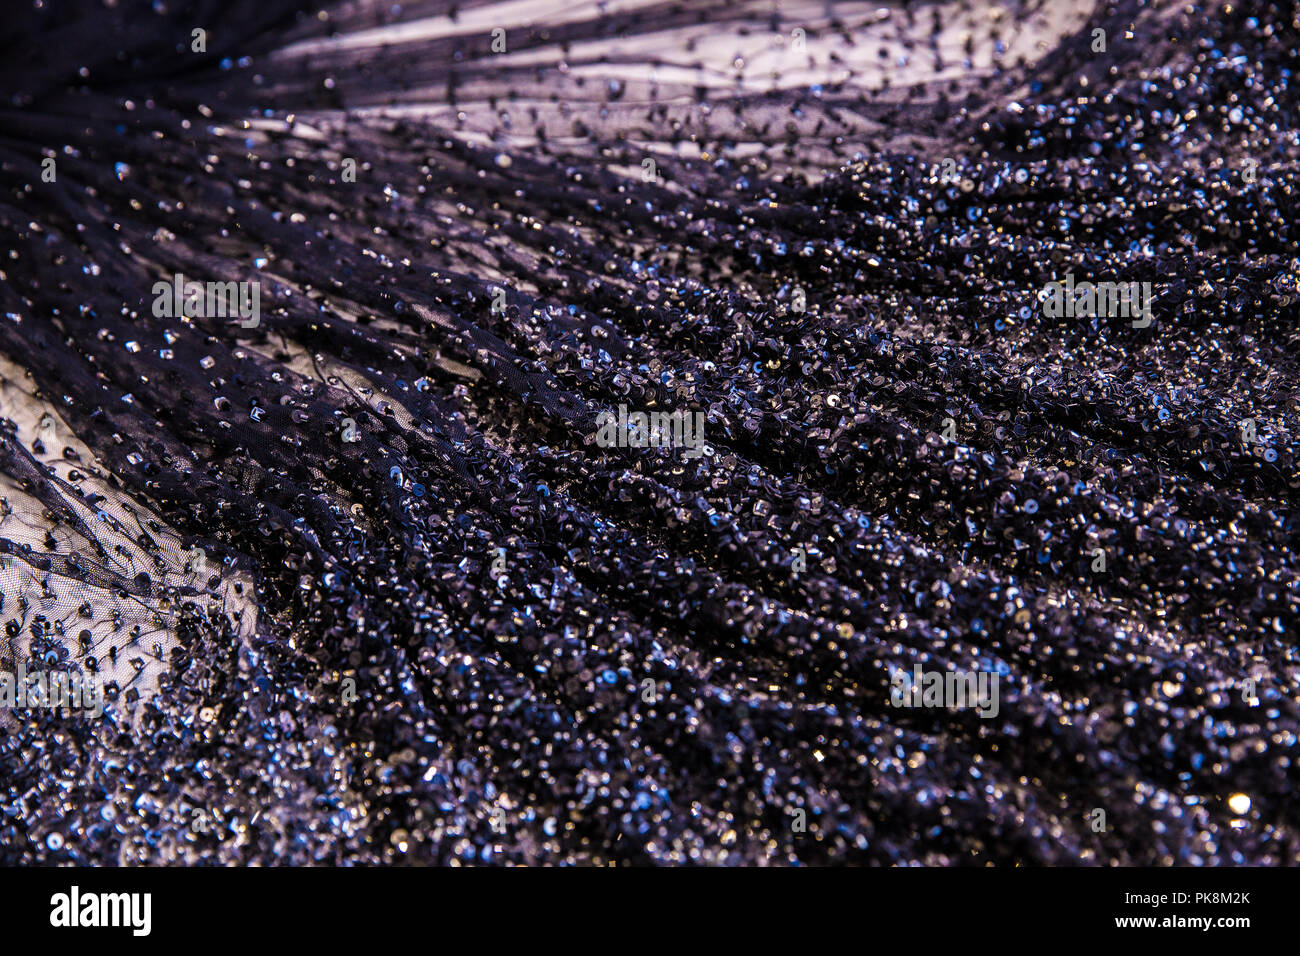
(438, 621)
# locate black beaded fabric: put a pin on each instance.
(474, 634)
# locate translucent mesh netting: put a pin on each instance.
(648, 675)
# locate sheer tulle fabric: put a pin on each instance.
(473, 633)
